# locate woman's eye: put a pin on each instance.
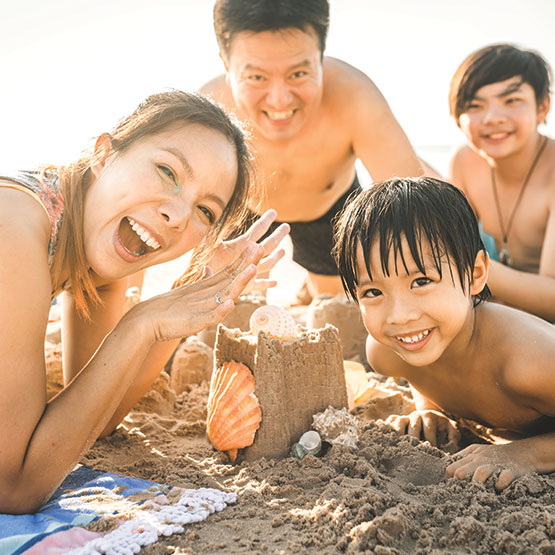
(419, 282)
(168, 172)
(210, 216)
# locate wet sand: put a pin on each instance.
(389, 495)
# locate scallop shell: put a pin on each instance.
(233, 411)
(274, 321)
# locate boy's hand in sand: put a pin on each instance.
(228, 250)
(427, 425)
(187, 309)
(481, 461)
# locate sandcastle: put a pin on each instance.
(294, 379)
(345, 316)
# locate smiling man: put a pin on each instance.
(311, 117)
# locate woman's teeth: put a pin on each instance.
(413, 338)
(143, 234)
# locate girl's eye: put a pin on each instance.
(210, 216)
(420, 282)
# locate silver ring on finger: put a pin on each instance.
(218, 298)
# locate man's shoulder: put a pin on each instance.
(217, 89)
(341, 78)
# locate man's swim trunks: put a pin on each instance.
(489, 243)
(45, 189)
(313, 241)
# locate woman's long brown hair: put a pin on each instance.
(156, 114)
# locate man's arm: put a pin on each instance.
(378, 139)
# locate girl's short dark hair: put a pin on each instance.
(233, 16)
(495, 63)
(416, 209)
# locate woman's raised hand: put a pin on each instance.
(187, 309)
(228, 250)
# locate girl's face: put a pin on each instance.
(156, 200)
(419, 316)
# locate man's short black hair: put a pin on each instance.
(418, 210)
(233, 16)
(495, 63)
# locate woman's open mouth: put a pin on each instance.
(134, 239)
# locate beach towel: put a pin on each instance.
(102, 512)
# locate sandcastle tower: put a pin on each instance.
(345, 315)
(294, 379)
(237, 318)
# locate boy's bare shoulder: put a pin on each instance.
(524, 346)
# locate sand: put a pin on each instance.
(388, 495)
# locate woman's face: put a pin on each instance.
(156, 200)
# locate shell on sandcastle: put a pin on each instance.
(234, 414)
(274, 321)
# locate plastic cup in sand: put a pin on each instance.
(311, 442)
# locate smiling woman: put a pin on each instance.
(171, 177)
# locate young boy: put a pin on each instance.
(409, 252)
(498, 96)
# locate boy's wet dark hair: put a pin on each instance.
(493, 64)
(233, 16)
(419, 209)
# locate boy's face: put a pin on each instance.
(276, 79)
(502, 118)
(418, 316)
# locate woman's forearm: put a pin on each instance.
(73, 420)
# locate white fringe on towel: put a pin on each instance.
(153, 519)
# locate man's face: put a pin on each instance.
(276, 80)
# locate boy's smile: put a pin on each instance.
(502, 118)
(419, 316)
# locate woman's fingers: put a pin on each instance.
(275, 238)
(261, 226)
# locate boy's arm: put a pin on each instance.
(533, 293)
(427, 421)
(523, 456)
(533, 388)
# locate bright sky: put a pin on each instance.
(70, 69)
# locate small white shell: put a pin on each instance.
(274, 321)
